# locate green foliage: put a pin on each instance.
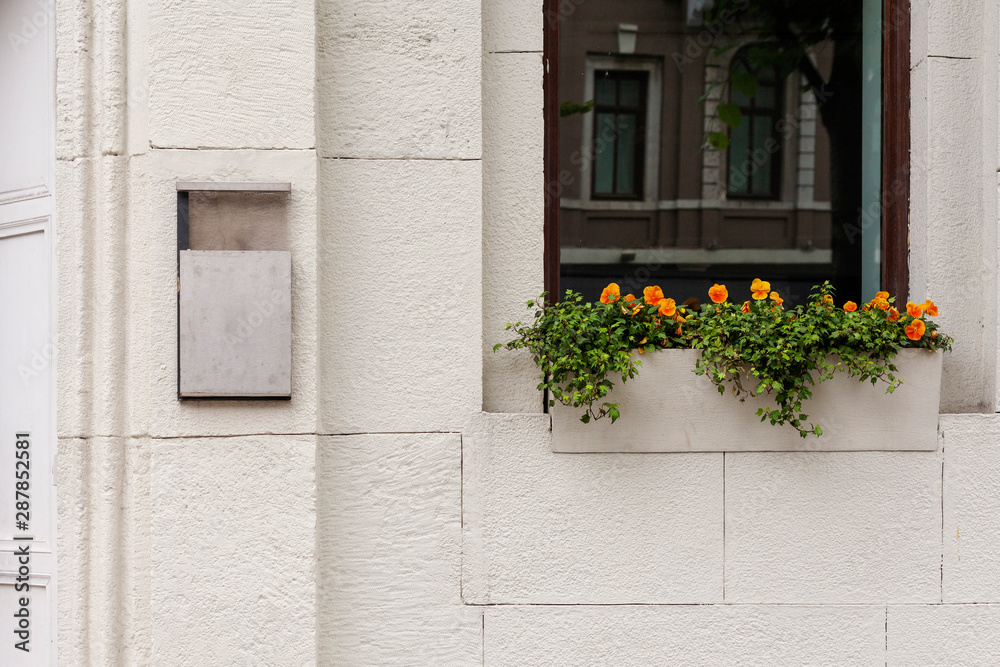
(758, 349)
(730, 114)
(580, 346)
(570, 108)
(744, 82)
(718, 140)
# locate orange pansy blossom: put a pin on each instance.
(776, 298)
(850, 307)
(630, 301)
(760, 288)
(611, 293)
(881, 301)
(718, 293)
(745, 307)
(653, 295)
(913, 310)
(893, 315)
(668, 307)
(915, 329)
(929, 308)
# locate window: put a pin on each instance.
(754, 160)
(773, 143)
(619, 134)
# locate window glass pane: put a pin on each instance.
(629, 93)
(739, 98)
(605, 91)
(604, 154)
(706, 93)
(625, 182)
(739, 159)
(766, 97)
(871, 161)
(760, 156)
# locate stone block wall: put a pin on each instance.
(404, 508)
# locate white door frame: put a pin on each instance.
(28, 206)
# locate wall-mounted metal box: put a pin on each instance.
(234, 291)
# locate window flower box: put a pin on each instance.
(667, 408)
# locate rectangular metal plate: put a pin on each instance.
(235, 324)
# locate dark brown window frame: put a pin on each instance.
(639, 153)
(895, 145)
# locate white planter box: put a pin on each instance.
(667, 408)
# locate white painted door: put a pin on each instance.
(27, 415)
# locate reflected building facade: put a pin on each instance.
(645, 198)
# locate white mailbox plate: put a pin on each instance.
(235, 324)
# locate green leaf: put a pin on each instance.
(613, 412)
(744, 82)
(730, 114)
(718, 140)
(571, 108)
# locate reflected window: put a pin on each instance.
(755, 143)
(619, 133)
(701, 142)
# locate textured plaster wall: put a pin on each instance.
(381, 516)
(173, 549)
(400, 222)
(389, 587)
(513, 205)
(953, 215)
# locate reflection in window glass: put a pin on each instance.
(736, 142)
(617, 143)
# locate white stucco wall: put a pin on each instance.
(405, 507)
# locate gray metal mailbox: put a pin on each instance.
(234, 305)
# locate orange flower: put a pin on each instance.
(881, 295)
(745, 307)
(653, 294)
(668, 307)
(880, 303)
(913, 310)
(893, 315)
(760, 288)
(929, 308)
(827, 300)
(611, 293)
(915, 329)
(631, 301)
(850, 307)
(719, 293)
(777, 299)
